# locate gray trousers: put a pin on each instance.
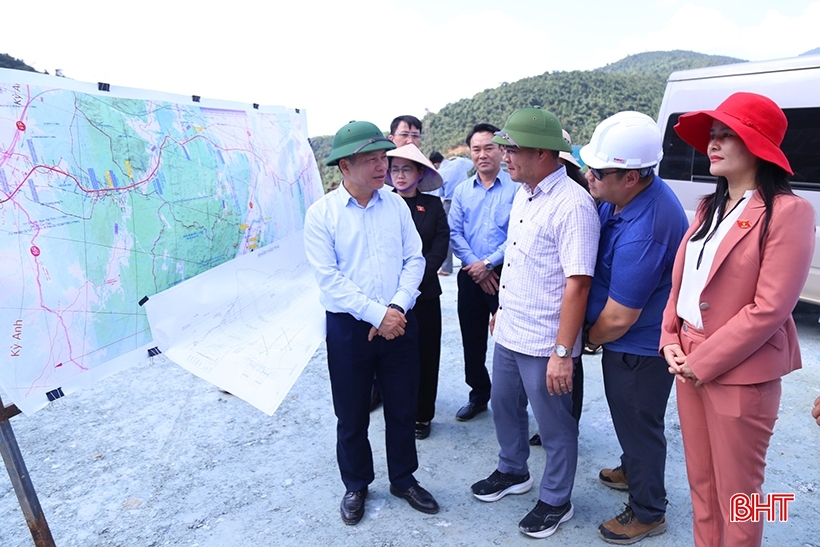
(518, 378)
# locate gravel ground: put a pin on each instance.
(155, 456)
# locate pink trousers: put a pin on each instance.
(726, 431)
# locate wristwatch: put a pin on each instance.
(488, 265)
(396, 307)
(562, 351)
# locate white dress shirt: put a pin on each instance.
(694, 278)
(364, 258)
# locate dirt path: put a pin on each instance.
(154, 456)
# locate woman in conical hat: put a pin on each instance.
(411, 174)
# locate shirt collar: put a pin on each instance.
(549, 182)
(497, 180)
(348, 199)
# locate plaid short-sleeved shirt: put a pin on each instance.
(553, 234)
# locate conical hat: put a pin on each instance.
(430, 180)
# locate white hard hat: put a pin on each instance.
(627, 140)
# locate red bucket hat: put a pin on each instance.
(756, 119)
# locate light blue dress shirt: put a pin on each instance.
(453, 171)
(479, 218)
(364, 258)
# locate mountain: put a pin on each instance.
(580, 99)
(663, 63)
(7, 61)
(815, 51)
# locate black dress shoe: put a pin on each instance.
(468, 411)
(352, 508)
(535, 440)
(418, 498)
(422, 430)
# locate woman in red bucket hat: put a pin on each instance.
(728, 334)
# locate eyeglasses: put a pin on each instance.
(407, 134)
(600, 174)
(506, 136)
(406, 171)
(368, 143)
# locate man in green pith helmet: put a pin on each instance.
(549, 261)
(366, 254)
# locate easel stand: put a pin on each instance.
(21, 481)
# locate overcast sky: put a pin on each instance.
(375, 59)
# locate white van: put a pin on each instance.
(794, 84)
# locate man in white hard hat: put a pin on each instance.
(642, 224)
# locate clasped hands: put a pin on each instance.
(678, 366)
(484, 278)
(392, 325)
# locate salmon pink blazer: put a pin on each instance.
(749, 296)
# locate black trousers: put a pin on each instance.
(577, 388)
(352, 362)
(637, 389)
(475, 307)
(428, 315)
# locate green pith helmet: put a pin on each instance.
(533, 128)
(357, 138)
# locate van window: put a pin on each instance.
(801, 146)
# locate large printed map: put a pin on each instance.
(110, 197)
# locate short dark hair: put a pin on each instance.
(481, 128)
(411, 122)
(436, 157)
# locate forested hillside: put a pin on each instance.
(7, 61)
(663, 63)
(580, 99)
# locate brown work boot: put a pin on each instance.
(626, 529)
(614, 478)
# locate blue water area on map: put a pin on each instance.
(158, 180)
(93, 178)
(4, 183)
(33, 189)
(32, 152)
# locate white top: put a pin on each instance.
(694, 277)
(553, 235)
(364, 258)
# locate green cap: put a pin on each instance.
(533, 128)
(357, 138)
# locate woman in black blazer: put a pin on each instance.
(411, 174)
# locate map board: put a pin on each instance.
(109, 197)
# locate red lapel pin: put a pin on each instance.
(420, 208)
(743, 223)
